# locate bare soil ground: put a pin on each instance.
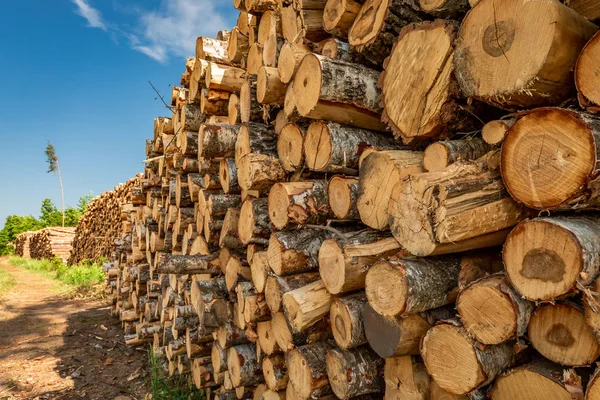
(52, 347)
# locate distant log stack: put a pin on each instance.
(23, 243)
(49, 243)
(345, 201)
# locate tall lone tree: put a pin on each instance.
(52, 160)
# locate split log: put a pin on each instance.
(217, 140)
(269, 25)
(400, 336)
(343, 197)
(325, 80)
(259, 171)
(404, 286)
(420, 66)
(287, 339)
(229, 232)
(354, 372)
(566, 144)
(538, 380)
(560, 333)
(218, 358)
(298, 203)
(476, 215)
(269, 88)
(306, 305)
(290, 57)
(255, 59)
(347, 320)
(440, 155)
(331, 147)
(277, 286)
(178, 264)
(546, 258)
(343, 264)
(290, 143)
(266, 338)
(259, 269)
(233, 108)
(291, 252)
(243, 366)
(214, 102)
(339, 15)
(254, 221)
(228, 176)
(407, 378)
(250, 109)
(457, 363)
(212, 50)
(307, 368)
(492, 312)
(377, 25)
(224, 77)
(273, 41)
(379, 173)
(545, 76)
(275, 371)
(494, 132)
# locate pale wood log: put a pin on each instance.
(224, 77)
(259, 171)
(446, 343)
(302, 23)
(440, 155)
(291, 252)
(290, 57)
(343, 264)
(233, 109)
(546, 258)
(243, 366)
(298, 203)
(347, 320)
(277, 286)
(275, 371)
(446, 9)
(335, 48)
(406, 378)
(255, 138)
(255, 59)
(214, 102)
(229, 335)
(290, 143)
(494, 132)
(307, 368)
(228, 175)
(339, 15)
(174, 264)
(238, 46)
(306, 305)
(269, 88)
(261, 6)
(259, 268)
(379, 173)
(212, 50)
(254, 221)
(266, 338)
(250, 109)
(543, 76)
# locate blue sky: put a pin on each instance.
(76, 72)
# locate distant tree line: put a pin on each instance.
(50, 215)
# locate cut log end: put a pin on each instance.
(290, 147)
(332, 266)
(307, 82)
(386, 288)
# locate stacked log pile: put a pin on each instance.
(100, 225)
(324, 211)
(49, 243)
(22, 244)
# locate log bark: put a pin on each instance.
(335, 48)
(191, 117)
(343, 264)
(228, 176)
(287, 339)
(254, 221)
(217, 140)
(233, 109)
(440, 155)
(378, 23)
(544, 76)
(229, 335)
(560, 333)
(212, 50)
(290, 142)
(331, 147)
(302, 23)
(347, 320)
(567, 144)
(243, 366)
(446, 9)
(546, 258)
(229, 232)
(494, 132)
(255, 138)
(339, 15)
(492, 312)
(277, 286)
(269, 88)
(174, 264)
(291, 252)
(224, 77)
(290, 57)
(483, 219)
(355, 372)
(447, 343)
(399, 336)
(307, 368)
(275, 370)
(259, 171)
(343, 197)
(379, 173)
(404, 286)
(538, 380)
(298, 203)
(261, 6)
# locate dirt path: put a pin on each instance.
(55, 348)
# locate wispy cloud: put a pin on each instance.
(91, 14)
(172, 30)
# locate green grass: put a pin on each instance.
(7, 281)
(170, 388)
(84, 275)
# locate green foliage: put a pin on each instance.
(85, 274)
(14, 225)
(51, 158)
(176, 387)
(7, 281)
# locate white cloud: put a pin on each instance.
(92, 15)
(174, 28)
